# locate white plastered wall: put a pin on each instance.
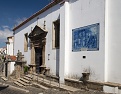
(114, 41)
(49, 17)
(84, 13)
(10, 46)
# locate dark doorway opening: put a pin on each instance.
(38, 59)
(56, 44)
(6, 69)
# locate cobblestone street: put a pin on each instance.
(10, 90)
(4, 89)
(8, 87)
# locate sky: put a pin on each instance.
(13, 12)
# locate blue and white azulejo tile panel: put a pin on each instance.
(86, 38)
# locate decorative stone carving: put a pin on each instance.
(38, 41)
(19, 65)
(19, 56)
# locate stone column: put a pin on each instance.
(43, 53)
(64, 43)
(43, 66)
(33, 65)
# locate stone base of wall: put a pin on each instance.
(80, 85)
(108, 87)
(51, 78)
(76, 83)
(99, 86)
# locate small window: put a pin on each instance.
(26, 42)
(56, 34)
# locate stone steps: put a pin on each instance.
(25, 81)
(22, 82)
(27, 78)
(3, 78)
(18, 84)
(43, 83)
(51, 83)
(40, 86)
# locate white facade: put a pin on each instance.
(10, 45)
(10, 66)
(103, 64)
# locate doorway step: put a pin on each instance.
(4, 78)
(23, 82)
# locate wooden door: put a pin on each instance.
(38, 58)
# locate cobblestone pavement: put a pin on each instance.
(33, 90)
(52, 91)
(14, 89)
(10, 90)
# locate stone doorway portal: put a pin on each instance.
(38, 42)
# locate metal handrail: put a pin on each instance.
(50, 80)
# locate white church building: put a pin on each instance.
(71, 37)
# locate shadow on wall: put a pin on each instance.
(29, 45)
(57, 62)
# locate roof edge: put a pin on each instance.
(37, 13)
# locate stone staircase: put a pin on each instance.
(4, 78)
(40, 81)
(25, 81)
(29, 80)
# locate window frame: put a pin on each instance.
(55, 45)
(25, 42)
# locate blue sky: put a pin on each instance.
(12, 12)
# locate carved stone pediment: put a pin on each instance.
(37, 36)
(36, 32)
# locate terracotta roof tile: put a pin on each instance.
(11, 58)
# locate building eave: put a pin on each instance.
(9, 37)
(37, 13)
(7, 42)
